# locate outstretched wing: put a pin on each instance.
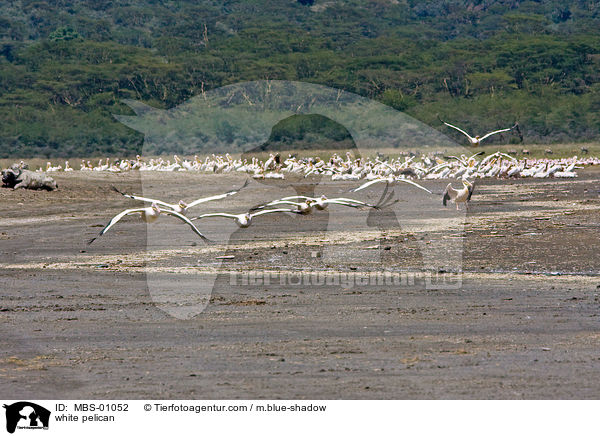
(208, 215)
(366, 185)
(349, 202)
(494, 132)
(460, 130)
(144, 199)
(114, 220)
(414, 184)
(217, 197)
(262, 212)
(187, 221)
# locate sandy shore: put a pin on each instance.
(85, 321)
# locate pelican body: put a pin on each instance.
(462, 195)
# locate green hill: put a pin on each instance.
(65, 65)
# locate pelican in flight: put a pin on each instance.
(462, 195)
(475, 141)
(149, 215)
(244, 219)
(182, 206)
(319, 203)
(390, 181)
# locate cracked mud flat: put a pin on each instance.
(80, 321)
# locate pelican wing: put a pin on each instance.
(345, 203)
(410, 182)
(508, 156)
(449, 193)
(366, 185)
(187, 221)
(144, 199)
(461, 160)
(301, 197)
(114, 220)
(263, 212)
(217, 197)
(471, 189)
(479, 153)
(494, 132)
(460, 130)
(208, 215)
(349, 200)
(293, 203)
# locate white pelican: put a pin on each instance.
(304, 207)
(149, 215)
(320, 203)
(243, 219)
(182, 206)
(391, 181)
(475, 141)
(458, 195)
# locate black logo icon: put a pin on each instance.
(26, 415)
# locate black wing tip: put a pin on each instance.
(205, 239)
(471, 191)
(92, 240)
(445, 199)
(235, 191)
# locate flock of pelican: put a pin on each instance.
(379, 169)
(294, 204)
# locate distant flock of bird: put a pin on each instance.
(406, 166)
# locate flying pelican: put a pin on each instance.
(475, 141)
(458, 195)
(391, 181)
(243, 219)
(304, 207)
(319, 203)
(182, 206)
(149, 215)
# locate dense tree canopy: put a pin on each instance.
(65, 65)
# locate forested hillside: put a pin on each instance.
(65, 65)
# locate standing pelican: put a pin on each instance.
(459, 195)
(149, 215)
(475, 141)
